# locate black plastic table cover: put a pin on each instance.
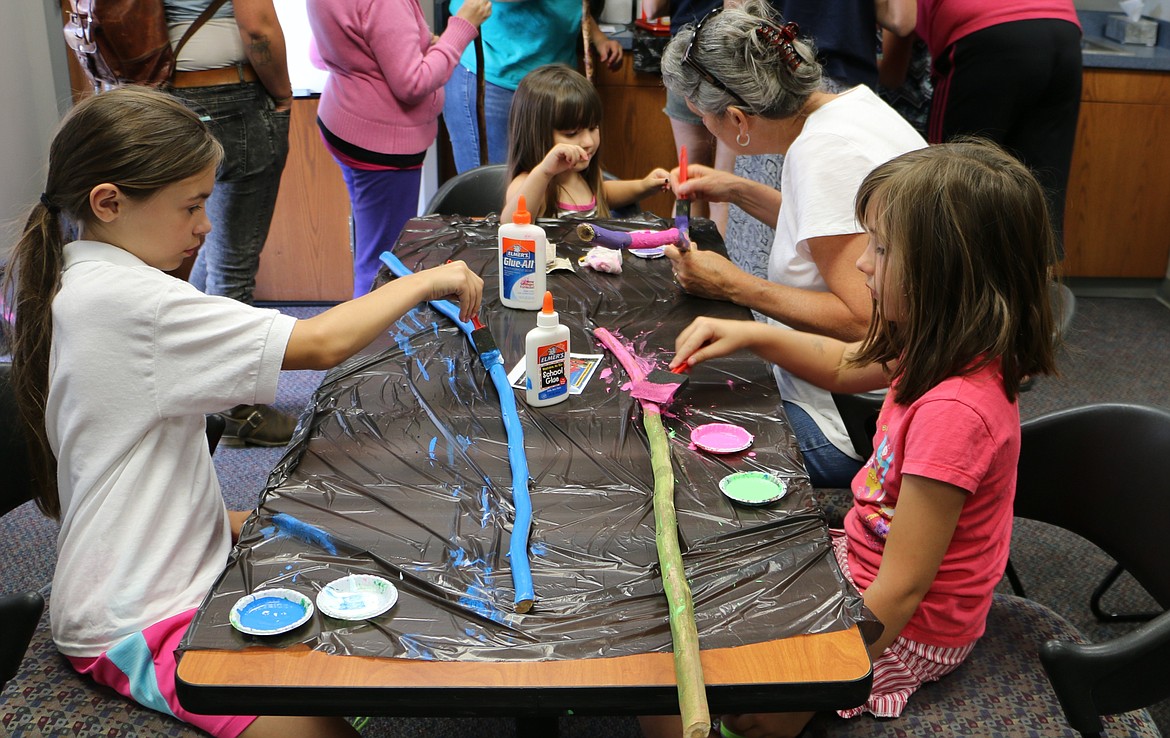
(402, 461)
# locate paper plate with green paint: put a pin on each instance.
(753, 488)
(270, 611)
(357, 597)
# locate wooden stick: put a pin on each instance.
(688, 669)
(586, 19)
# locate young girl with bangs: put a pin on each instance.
(957, 261)
(554, 150)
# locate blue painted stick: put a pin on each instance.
(518, 546)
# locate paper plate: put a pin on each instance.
(721, 438)
(357, 597)
(654, 252)
(753, 488)
(270, 611)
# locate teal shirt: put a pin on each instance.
(521, 36)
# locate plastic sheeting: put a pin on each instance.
(402, 465)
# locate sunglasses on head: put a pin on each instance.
(689, 59)
(780, 37)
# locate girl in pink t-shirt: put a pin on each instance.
(957, 263)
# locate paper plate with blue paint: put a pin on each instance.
(753, 488)
(270, 611)
(357, 597)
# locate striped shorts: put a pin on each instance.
(903, 667)
(142, 667)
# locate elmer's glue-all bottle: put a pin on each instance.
(522, 261)
(546, 358)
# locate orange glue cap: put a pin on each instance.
(522, 216)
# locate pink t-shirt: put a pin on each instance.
(943, 22)
(963, 432)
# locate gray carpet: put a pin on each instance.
(1118, 350)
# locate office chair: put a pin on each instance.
(473, 194)
(52, 698)
(1100, 472)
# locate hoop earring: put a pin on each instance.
(743, 138)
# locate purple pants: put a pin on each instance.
(382, 201)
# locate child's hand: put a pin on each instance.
(455, 280)
(657, 179)
(475, 12)
(710, 338)
(562, 158)
(703, 183)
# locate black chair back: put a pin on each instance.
(1103, 472)
(473, 194)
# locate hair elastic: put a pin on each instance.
(781, 37)
(49, 205)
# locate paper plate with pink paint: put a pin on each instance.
(721, 438)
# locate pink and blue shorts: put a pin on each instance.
(142, 667)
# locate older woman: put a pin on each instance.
(757, 87)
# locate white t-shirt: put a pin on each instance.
(841, 142)
(138, 358)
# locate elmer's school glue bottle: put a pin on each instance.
(522, 261)
(546, 358)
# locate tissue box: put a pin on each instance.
(1142, 31)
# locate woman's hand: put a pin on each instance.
(562, 158)
(711, 338)
(609, 52)
(705, 273)
(475, 12)
(455, 280)
(705, 183)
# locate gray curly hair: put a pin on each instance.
(749, 66)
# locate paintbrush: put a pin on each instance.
(485, 344)
(682, 206)
(660, 385)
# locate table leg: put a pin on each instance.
(537, 726)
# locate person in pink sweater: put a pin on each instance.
(380, 107)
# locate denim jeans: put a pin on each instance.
(827, 466)
(255, 141)
(459, 115)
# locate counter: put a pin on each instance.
(1103, 53)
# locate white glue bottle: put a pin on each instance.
(546, 358)
(523, 257)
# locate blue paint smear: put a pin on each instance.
(538, 549)
(521, 501)
(434, 442)
(301, 530)
(422, 369)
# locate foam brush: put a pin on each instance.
(682, 206)
(660, 385)
(485, 344)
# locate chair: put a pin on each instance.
(1100, 472)
(474, 193)
(48, 697)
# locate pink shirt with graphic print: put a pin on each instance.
(964, 432)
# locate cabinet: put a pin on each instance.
(1117, 223)
(308, 257)
(636, 135)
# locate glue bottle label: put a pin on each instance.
(551, 363)
(518, 269)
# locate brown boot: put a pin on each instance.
(257, 425)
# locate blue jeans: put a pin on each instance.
(459, 115)
(255, 142)
(827, 466)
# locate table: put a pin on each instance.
(402, 460)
